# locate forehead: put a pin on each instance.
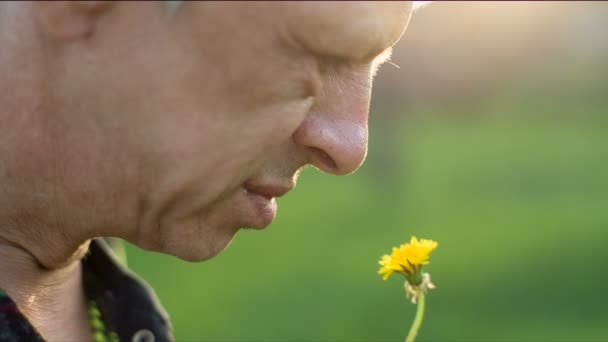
(355, 30)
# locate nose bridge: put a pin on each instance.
(335, 133)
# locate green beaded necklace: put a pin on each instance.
(98, 327)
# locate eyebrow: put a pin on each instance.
(382, 58)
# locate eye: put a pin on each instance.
(313, 85)
(307, 104)
(306, 84)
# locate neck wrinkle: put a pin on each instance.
(52, 300)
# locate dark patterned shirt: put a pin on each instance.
(13, 326)
(128, 305)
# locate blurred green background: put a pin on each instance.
(490, 138)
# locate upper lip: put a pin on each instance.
(268, 190)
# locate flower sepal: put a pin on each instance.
(415, 279)
(412, 292)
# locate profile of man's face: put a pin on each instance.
(208, 114)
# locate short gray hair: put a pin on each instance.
(173, 5)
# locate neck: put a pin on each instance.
(46, 212)
(52, 300)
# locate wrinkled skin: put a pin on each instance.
(146, 125)
(123, 119)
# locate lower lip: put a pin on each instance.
(264, 209)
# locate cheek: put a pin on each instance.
(215, 121)
(282, 120)
(261, 131)
(227, 148)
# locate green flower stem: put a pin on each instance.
(411, 336)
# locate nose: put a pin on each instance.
(336, 144)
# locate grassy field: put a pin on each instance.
(517, 201)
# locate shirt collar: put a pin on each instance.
(128, 304)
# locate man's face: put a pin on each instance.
(212, 112)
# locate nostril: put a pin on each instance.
(334, 145)
(323, 160)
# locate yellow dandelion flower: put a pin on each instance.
(407, 259)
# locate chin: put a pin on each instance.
(191, 253)
(197, 235)
(193, 242)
